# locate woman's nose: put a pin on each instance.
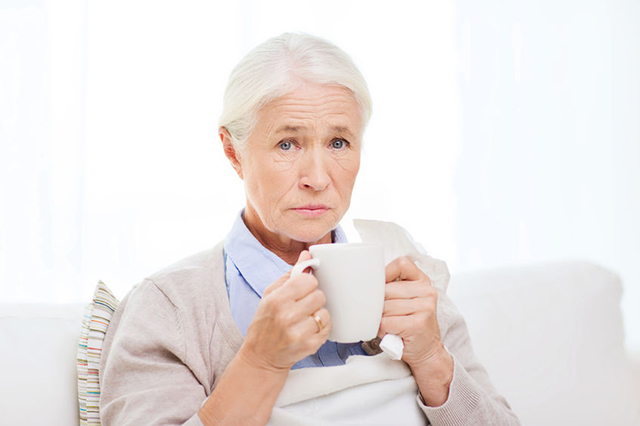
(314, 172)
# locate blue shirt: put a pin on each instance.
(249, 269)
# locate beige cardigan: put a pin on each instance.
(173, 335)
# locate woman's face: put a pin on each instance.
(300, 164)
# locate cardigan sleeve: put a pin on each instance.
(472, 398)
(145, 378)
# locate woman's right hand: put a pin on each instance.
(283, 330)
(282, 333)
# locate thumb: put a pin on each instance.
(304, 255)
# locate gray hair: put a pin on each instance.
(273, 68)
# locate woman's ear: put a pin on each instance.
(230, 151)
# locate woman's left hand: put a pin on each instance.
(410, 311)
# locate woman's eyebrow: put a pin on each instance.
(342, 130)
(288, 128)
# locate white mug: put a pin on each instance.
(352, 277)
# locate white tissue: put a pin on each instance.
(398, 242)
(393, 346)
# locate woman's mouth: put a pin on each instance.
(311, 210)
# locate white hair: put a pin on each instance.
(275, 67)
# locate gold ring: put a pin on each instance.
(318, 321)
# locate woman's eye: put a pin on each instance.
(338, 144)
(286, 145)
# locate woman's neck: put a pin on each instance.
(284, 247)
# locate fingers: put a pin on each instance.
(321, 322)
(309, 332)
(276, 284)
(410, 299)
(306, 334)
(290, 322)
(304, 255)
(400, 307)
(296, 300)
(417, 306)
(404, 269)
(406, 281)
(409, 289)
(312, 301)
(402, 326)
(299, 287)
(410, 310)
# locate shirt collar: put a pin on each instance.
(258, 265)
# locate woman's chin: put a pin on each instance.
(311, 234)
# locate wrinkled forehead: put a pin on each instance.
(312, 108)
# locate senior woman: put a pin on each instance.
(213, 339)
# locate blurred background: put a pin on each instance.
(504, 132)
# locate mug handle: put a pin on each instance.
(298, 268)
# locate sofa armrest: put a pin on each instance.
(634, 358)
(38, 363)
(551, 337)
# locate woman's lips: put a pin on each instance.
(311, 210)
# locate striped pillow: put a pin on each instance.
(95, 322)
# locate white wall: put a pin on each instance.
(550, 155)
(502, 132)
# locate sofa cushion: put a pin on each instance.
(38, 346)
(551, 337)
(97, 316)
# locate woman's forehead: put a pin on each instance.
(310, 106)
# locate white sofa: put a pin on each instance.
(550, 335)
